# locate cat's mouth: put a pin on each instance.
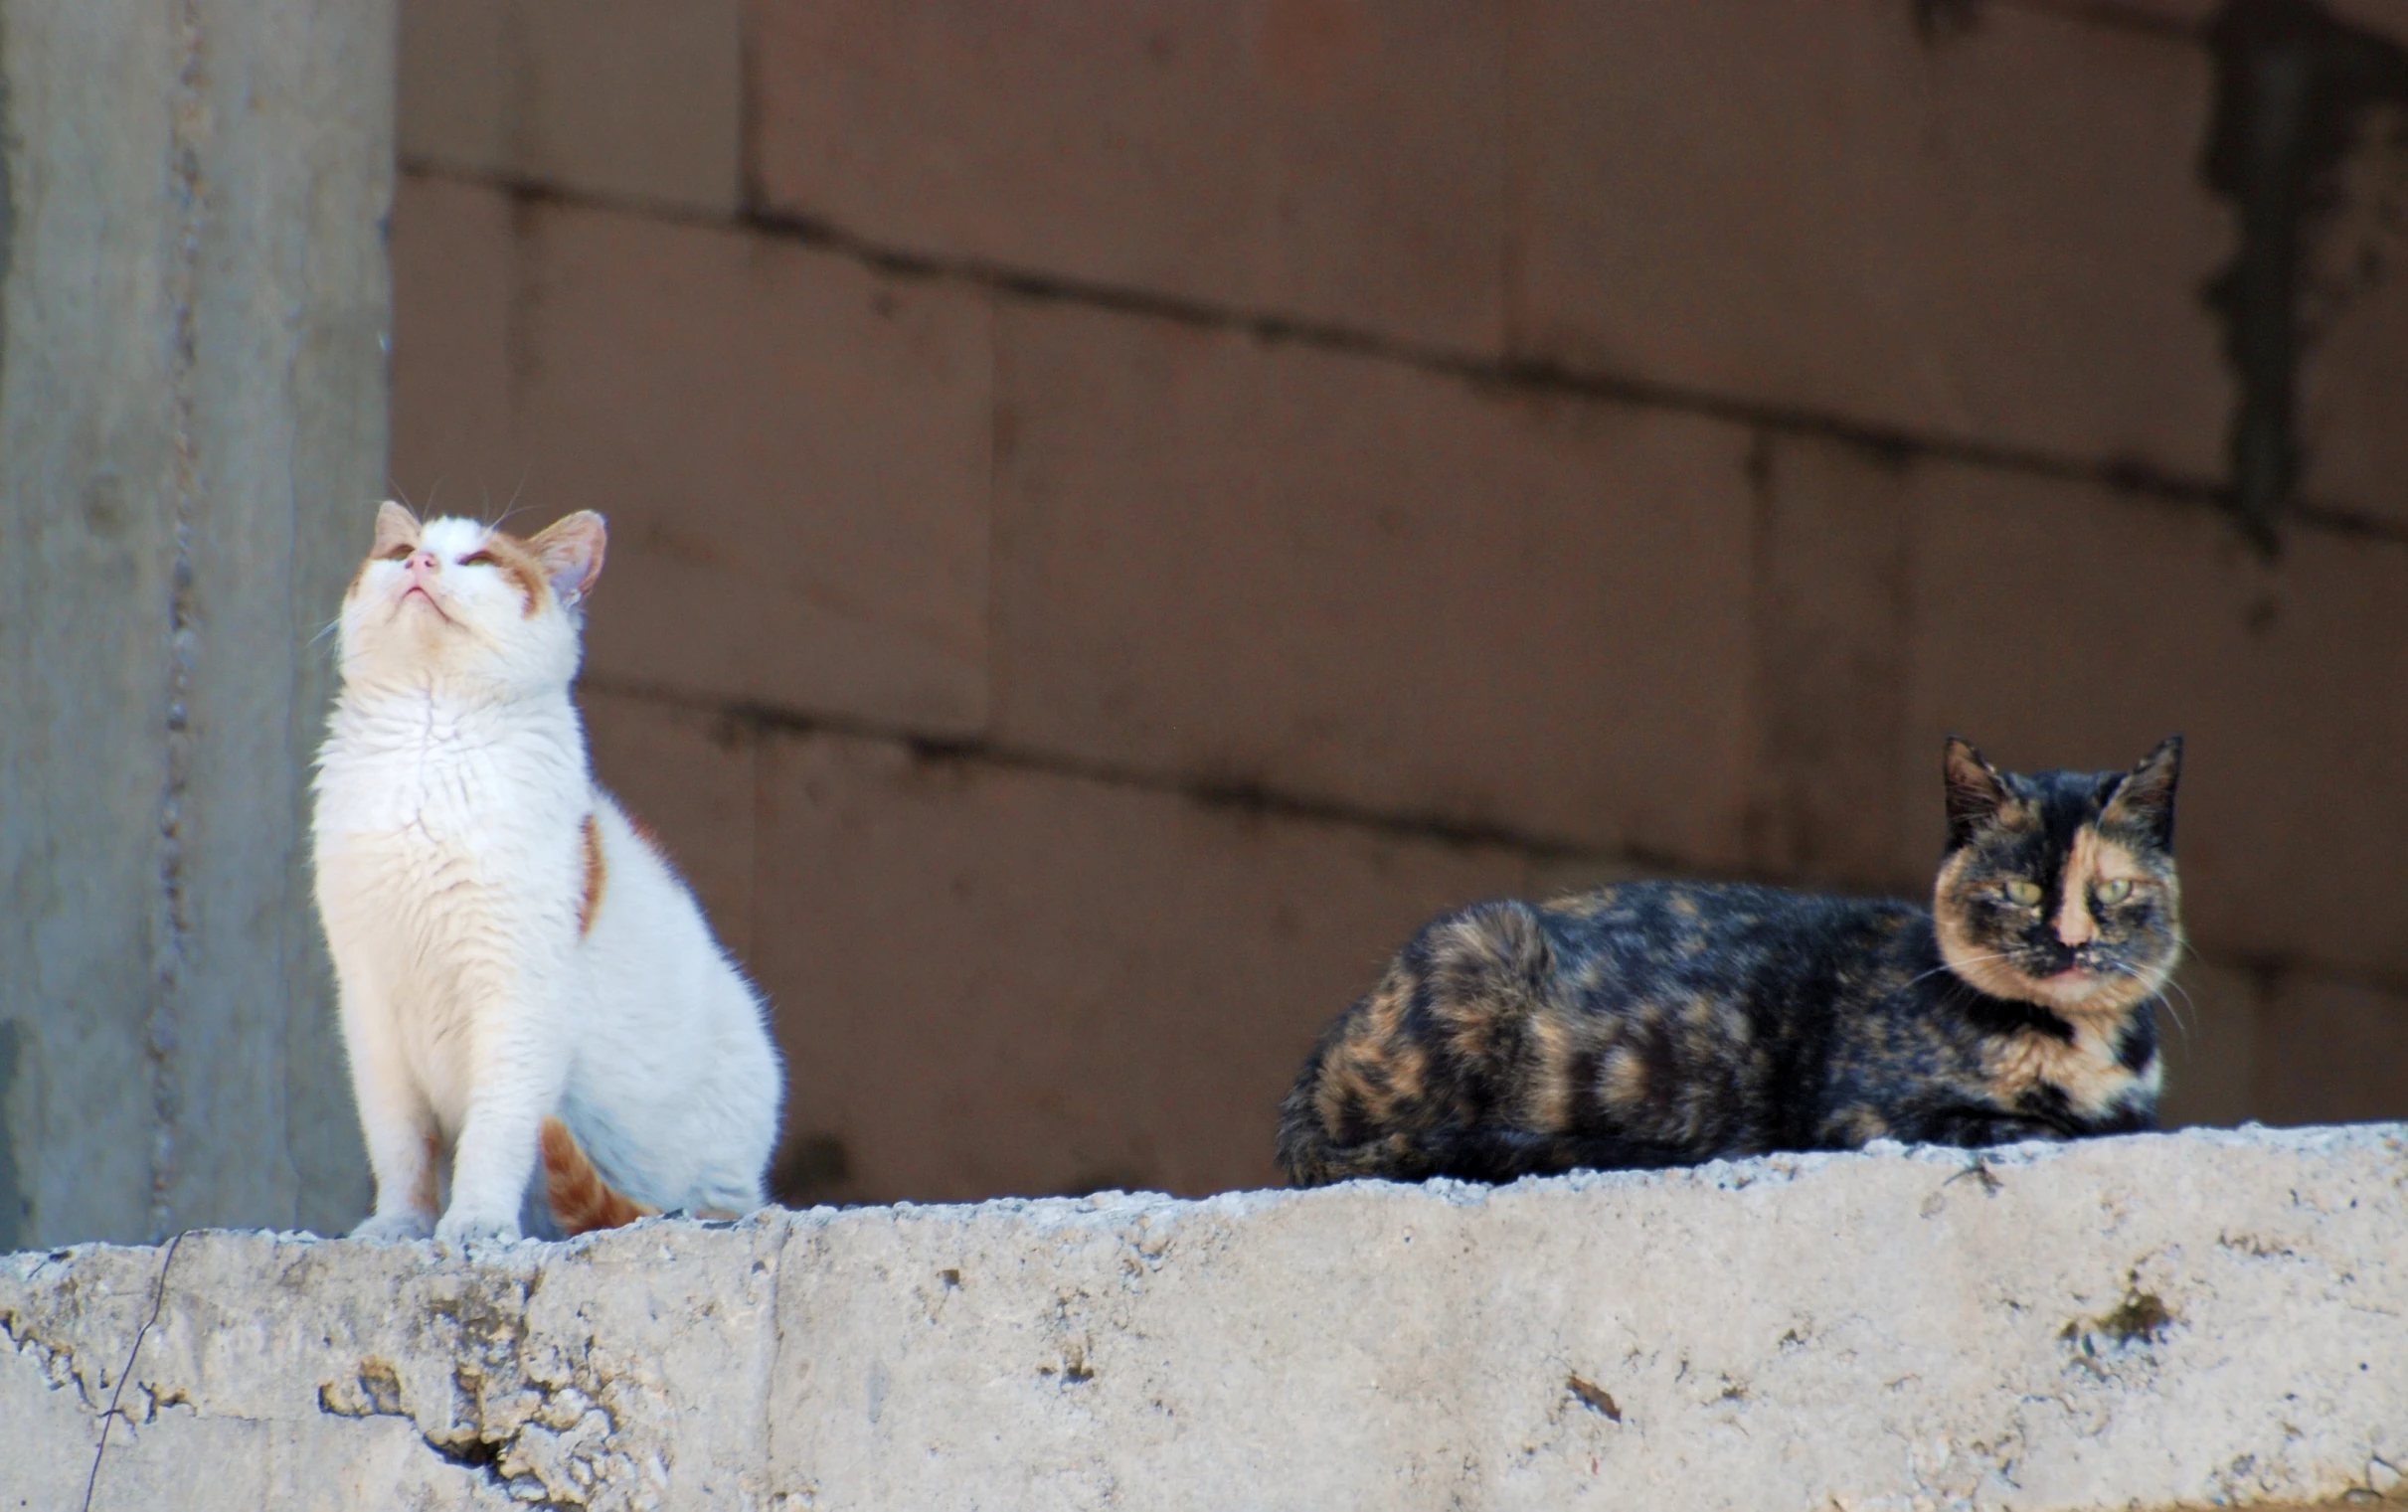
(2076, 984)
(419, 591)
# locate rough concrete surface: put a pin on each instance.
(2208, 1318)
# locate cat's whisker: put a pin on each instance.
(2159, 996)
(511, 506)
(2179, 1022)
(1970, 960)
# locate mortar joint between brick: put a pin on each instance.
(768, 721)
(1895, 444)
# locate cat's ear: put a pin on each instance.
(2144, 798)
(570, 551)
(1975, 792)
(396, 530)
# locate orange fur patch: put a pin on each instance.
(1552, 1099)
(1580, 905)
(2074, 924)
(598, 877)
(2086, 1071)
(582, 1201)
(427, 1196)
(518, 560)
(1625, 1078)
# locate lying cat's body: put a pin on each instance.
(508, 948)
(1660, 1023)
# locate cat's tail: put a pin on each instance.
(582, 1201)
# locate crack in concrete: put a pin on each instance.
(158, 1300)
(538, 1429)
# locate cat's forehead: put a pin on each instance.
(2048, 813)
(449, 534)
(2065, 800)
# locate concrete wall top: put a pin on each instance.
(2207, 1318)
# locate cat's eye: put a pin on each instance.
(481, 558)
(2114, 892)
(2024, 892)
(398, 554)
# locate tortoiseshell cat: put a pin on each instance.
(1660, 1024)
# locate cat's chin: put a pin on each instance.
(2076, 991)
(417, 599)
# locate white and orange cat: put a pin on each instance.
(520, 970)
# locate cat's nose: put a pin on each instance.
(2075, 928)
(423, 563)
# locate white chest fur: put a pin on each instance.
(449, 869)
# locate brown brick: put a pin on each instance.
(2214, 1038)
(1321, 159)
(2062, 626)
(992, 980)
(636, 99)
(793, 453)
(688, 776)
(1267, 565)
(453, 83)
(1830, 623)
(2387, 18)
(633, 100)
(1995, 231)
(2353, 393)
(453, 284)
(2333, 1052)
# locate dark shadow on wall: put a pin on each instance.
(2296, 93)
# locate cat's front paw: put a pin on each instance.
(393, 1227)
(458, 1228)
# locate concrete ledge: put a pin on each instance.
(2185, 1321)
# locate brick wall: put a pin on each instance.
(1119, 510)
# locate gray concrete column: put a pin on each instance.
(194, 301)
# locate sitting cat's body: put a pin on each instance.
(516, 963)
(1662, 1024)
